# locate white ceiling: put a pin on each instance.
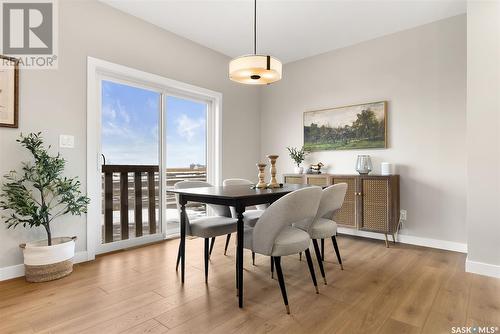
(288, 30)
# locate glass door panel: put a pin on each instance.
(130, 146)
(186, 143)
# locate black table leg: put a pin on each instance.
(236, 269)
(183, 237)
(239, 253)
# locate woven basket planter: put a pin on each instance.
(44, 263)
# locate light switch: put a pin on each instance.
(66, 141)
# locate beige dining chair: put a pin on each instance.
(206, 227)
(275, 236)
(324, 226)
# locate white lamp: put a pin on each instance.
(255, 69)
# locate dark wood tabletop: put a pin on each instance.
(236, 191)
(230, 194)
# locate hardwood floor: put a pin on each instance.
(403, 289)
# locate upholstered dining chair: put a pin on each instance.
(323, 225)
(251, 216)
(206, 227)
(274, 234)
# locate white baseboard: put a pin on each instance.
(11, 272)
(409, 239)
(18, 269)
(481, 268)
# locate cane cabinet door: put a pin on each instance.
(293, 179)
(375, 201)
(321, 181)
(347, 214)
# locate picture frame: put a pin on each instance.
(9, 92)
(358, 126)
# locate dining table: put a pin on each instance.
(237, 196)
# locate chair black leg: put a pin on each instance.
(227, 243)
(318, 257)
(300, 256)
(322, 249)
(253, 258)
(178, 258)
(281, 281)
(334, 241)
(211, 247)
(207, 255)
(272, 267)
(311, 269)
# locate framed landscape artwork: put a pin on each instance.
(9, 86)
(359, 126)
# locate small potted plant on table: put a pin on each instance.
(298, 156)
(35, 197)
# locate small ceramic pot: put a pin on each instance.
(298, 170)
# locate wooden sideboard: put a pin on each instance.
(371, 202)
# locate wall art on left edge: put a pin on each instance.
(361, 126)
(9, 92)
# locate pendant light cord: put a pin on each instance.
(255, 27)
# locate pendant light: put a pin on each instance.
(255, 69)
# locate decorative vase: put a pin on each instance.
(298, 170)
(262, 182)
(44, 263)
(273, 183)
(364, 164)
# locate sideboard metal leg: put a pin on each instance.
(386, 241)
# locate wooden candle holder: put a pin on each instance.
(262, 182)
(273, 183)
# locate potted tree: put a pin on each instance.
(35, 197)
(298, 156)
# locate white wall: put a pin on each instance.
(54, 101)
(422, 74)
(483, 138)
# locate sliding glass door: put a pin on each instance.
(186, 142)
(150, 140)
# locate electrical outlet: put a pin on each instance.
(66, 141)
(402, 215)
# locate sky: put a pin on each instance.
(130, 122)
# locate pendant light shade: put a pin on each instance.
(255, 69)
